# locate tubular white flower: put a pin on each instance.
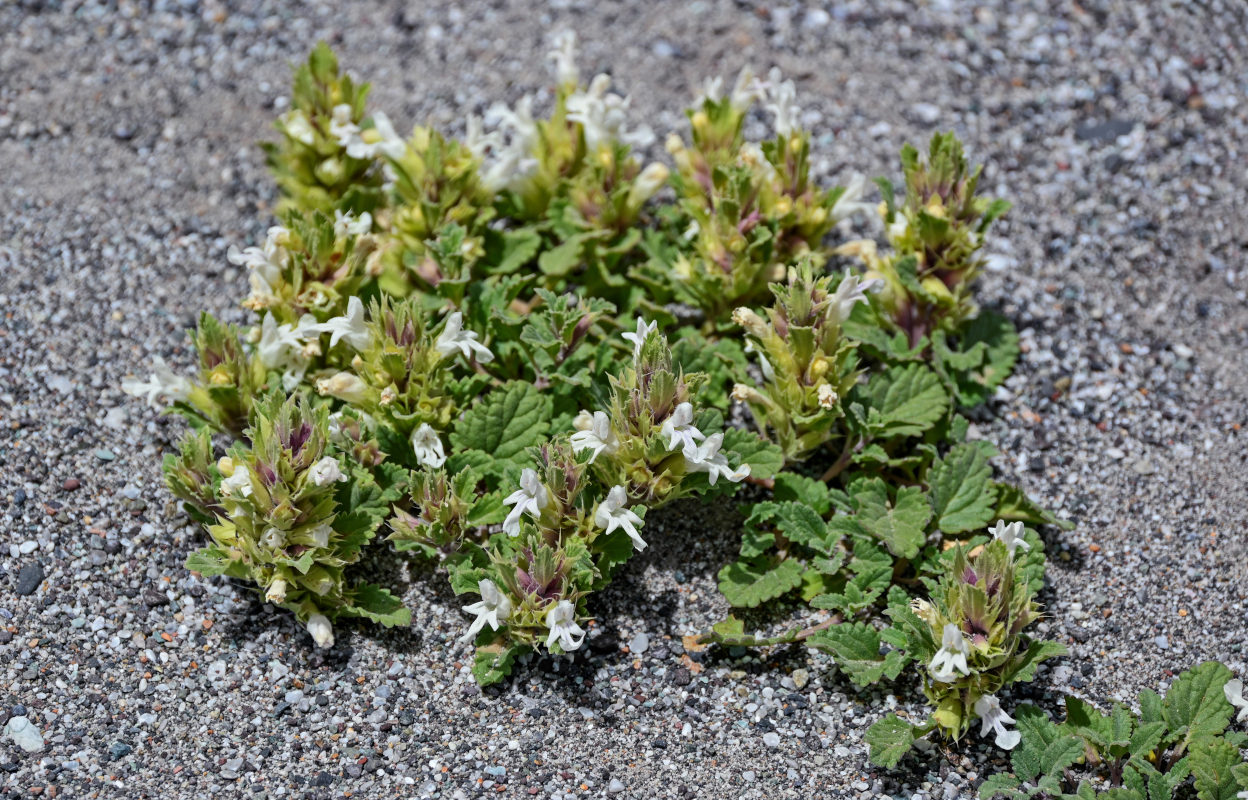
(380, 141)
(322, 632)
(350, 327)
(298, 127)
(427, 446)
(454, 338)
(280, 346)
(599, 437)
(950, 660)
(347, 224)
(325, 471)
(273, 538)
(781, 101)
(601, 116)
(994, 718)
(345, 386)
(678, 429)
(320, 534)
(712, 89)
(850, 291)
(341, 127)
(613, 512)
(850, 202)
(707, 458)
(826, 396)
(529, 499)
(563, 54)
(276, 593)
(638, 337)
(561, 620)
(1011, 535)
(493, 609)
(238, 482)
(649, 182)
(163, 382)
(265, 262)
(1234, 692)
(746, 90)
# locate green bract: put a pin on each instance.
(504, 351)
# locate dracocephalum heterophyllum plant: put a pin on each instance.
(288, 514)
(455, 317)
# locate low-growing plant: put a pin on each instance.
(504, 351)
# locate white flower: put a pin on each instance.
(454, 337)
(599, 437)
(347, 224)
(561, 620)
(1011, 534)
(280, 346)
(707, 458)
(747, 89)
(163, 382)
(493, 609)
(601, 116)
(345, 386)
(782, 103)
(237, 482)
(529, 499)
(563, 54)
(276, 593)
(951, 658)
(341, 127)
(427, 446)
(320, 534)
(511, 145)
(350, 327)
(647, 184)
(712, 89)
(327, 470)
(322, 632)
(273, 538)
(583, 420)
(380, 141)
(265, 262)
(850, 291)
(298, 127)
(753, 157)
(613, 513)
(638, 338)
(678, 428)
(1234, 691)
(995, 719)
(826, 396)
(850, 202)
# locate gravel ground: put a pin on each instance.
(128, 165)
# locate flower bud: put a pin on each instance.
(751, 322)
(273, 538)
(827, 396)
(648, 182)
(388, 395)
(322, 632)
(345, 386)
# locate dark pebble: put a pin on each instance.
(681, 676)
(19, 497)
(119, 750)
(323, 779)
(5, 637)
(19, 710)
(29, 578)
(281, 709)
(154, 598)
(1103, 131)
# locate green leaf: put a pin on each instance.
(504, 422)
(208, 561)
(856, 649)
(1001, 784)
(493, 662)
(562, 260)
(904, 401)
(1022, 668)
(890, 738)
(1196, 704)
(962, 491)
(748, 584)
(508, 251)
(1014, 504)
(1212, 762)
(901, 523)
(764, 458)
(379, 605)
(789, 486)
(1044, 749)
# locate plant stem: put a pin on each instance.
(788, 637)
(842, 461)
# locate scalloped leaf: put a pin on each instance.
(505, 422)
(963, 495)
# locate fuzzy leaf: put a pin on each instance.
(765, 459)
(1000, 785)
(493, 662)
(904, 401)
(379, 605)
(1212, 762)
(208, 561)
(1023, 666)
(800, 489)
(1195, 703)
(889, 738)
(856, 649)
(962, 492)
(900, 523)
(1014, 504)
(749, 584)
(504, 422)
(1044, 750)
